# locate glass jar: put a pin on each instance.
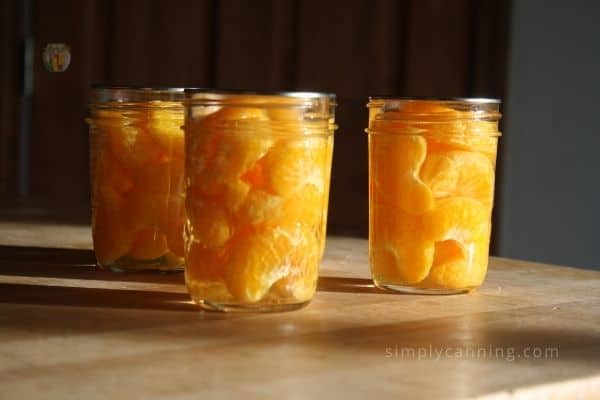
(431, 190)
(136, 152)
(257, 187)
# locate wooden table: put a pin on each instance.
(70, 331)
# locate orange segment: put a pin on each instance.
(209, 224)
(144, 210)
(164, 178)
(237, 153)
(260, 207)
(172, 223)
(408, 261)
(305, 207)
(218, 158)
(301, 283)
(459, 173)
(111, 239)
(109, 174)
(255, 264)
(292, 163)
(456, 266)
(133, 146)
(235, 194)
(458, 218)
(395, 164)
(165, 127)
(202, 263)
(400, 253)
(148, 244)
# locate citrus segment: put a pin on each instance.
(133, 146)
(108, 172)
(401, 262)
(395, 162)
(209, 224)
(458, 218)
(292, 163)
(301, 282)
(260, 207)
(457, 266)
(148, 244)
(165, 128)
(459, 173)
(255, 264)
(111, 239)
(202, 263)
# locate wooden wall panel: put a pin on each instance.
(160, 42)
(437, 49)
(59, 145)
(10, 91)
(353, 48)
(256, 41)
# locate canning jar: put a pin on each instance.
(257, 186)
(431, 191)
(136, 153)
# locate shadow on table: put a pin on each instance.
(94, 297)
(70, 263)
(349, 285)
(24, 273)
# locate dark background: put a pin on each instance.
(538, 56)
(352, 48)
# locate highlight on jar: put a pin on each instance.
(431, 190)
(257, 188)
(137, 171)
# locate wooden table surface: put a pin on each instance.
(70, 331)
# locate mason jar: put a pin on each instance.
(431, 191)
(136, 152)
(257, 187)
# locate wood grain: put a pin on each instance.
(69, 330)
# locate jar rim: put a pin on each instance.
(275, 93)
(317, 102)
(475, 100)
(129, 95)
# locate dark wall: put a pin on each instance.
(354, 48)
(550, 197)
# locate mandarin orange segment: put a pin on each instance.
(210, 225)
(144, 210)
(459, 173)
(256, 263)
(395, 162)
(301, 282)
(235, 194)
(260, 207)
(292, 163)
(458, 266)
(165, 127)
(484, 145)
(458, 218)
(305, 207)
(133, 146)
(400, 251)
(108, 172)
(234, 155)
(149, 244)
(111, 238)
(160, 178)
(410, 261)
(202, 263)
